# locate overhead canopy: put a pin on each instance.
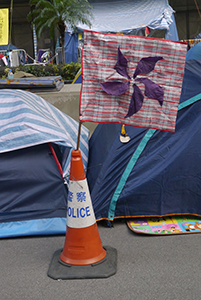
(127, 16)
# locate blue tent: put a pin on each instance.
(156, 173)
(32, 192)
(35, 145)
(194, 52)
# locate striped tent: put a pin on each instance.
(35, 144)
(28, 120)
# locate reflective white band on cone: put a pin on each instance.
(80, 212)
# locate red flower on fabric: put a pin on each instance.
(152, 90)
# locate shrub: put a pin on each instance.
(66, 71)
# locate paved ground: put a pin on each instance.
(149, 268)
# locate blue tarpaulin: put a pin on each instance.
(71, 47)
(8, 47)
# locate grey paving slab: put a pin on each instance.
(148, 268)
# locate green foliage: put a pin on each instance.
(56, 14)
(67, 71)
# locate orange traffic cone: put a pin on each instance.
(83, 255)
(83, 244)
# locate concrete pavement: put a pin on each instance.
(148, 268)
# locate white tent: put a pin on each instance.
(131, 16)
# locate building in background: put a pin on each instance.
(21, 33)
(187, 16)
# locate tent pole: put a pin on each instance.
(78, 137)
(35, 42)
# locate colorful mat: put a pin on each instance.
(166, 225)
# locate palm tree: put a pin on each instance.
(54, 14)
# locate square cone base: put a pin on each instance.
(102, 269)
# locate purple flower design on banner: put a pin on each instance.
(152, 90)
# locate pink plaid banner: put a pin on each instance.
(131, 80)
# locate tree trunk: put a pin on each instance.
(62, 33)
(63, 49)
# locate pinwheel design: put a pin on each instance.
(152, 90)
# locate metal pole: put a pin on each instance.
(35, 42)
(11, 17)
(78, 137)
